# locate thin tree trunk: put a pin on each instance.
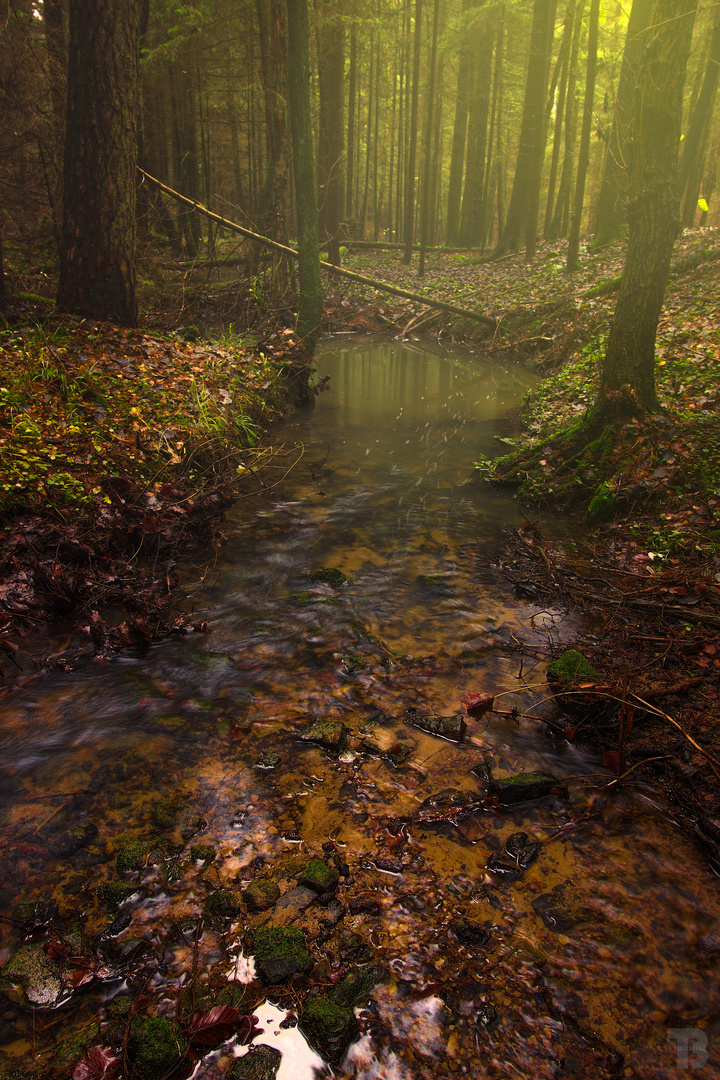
(477, 138)
(352, 94)
(557, 226)
(412, 151)
(560, 113)
(427, 163)
(584, 156)
(694, 147)
(466, 67)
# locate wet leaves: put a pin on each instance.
(100, 1063)
(217, 1025)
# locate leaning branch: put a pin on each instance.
(340, 271)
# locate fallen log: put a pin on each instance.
(340, 271)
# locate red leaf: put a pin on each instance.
(98, 1064)
(219, 1024)
(614, 762)
(478, 704)
(570, 733)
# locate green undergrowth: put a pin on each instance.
(85, 406)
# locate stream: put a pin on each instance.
(597, 958)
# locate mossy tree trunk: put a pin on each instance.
(310, 297)
(97, 257)
(627, 382)
(331, 142)
(694, 148)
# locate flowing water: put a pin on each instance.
(597, 959)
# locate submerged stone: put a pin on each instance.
(525, 786)
(114, 893)
(519, 849)
(470, 933)
(319, 877)
(572, 667)
(261, 894)
(164, 813)
(133, 855)
(155, 1046)
(357, 986)
(260, 1063)
(202, 853)
(280, 953)
(31, 978)
(447, 727)
(293, 902)
(332, 734)
(222, 904)
(329, 1027)
(329, 575)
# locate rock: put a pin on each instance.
(398, 754)
(446, 727)
(364, 905)
(133, 855)
(329, 1027)
(435, 584)
(155, 1046)
(260, 1063)
(329, 575)
(572, 667)
(68, 841)
(566, 676)
(559, 909)
(518, 848)
(470, 933)
(357, 986)
(114, 893)
(70, 1050)
(332, 734)
(261, 894)
(164, 813)
(31, 978)
(293, 902)
(222, 904)
(319, 877)
(202, 853)
(503, 868)
(280, 953)
(525, 786)
(269, 760)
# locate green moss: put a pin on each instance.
(155, 1047)
(572, 666)
(164, 813)
(222, 904)
(329, 575)
(114, 893)
(202, 853)
(329, 1027)
(133, 855)
(280, 953)
(318, 876)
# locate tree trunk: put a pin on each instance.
(560, 112)
(694, 147)
(97, 258)
(627, 378)
(557, 225)
(331, 172)
(55, 42)
(273, 55)
(609, 212)
(457, 156)
(352, 94)
(584, 156)
(530, 150)
(533, 211)
(412, 150)
(427, 163)
(310, 298)
(477, 140)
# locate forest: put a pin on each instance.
(360, 539)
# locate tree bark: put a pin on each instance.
(609, 212)
(310, 298)
(560, 112)
(409, 217)
(530, 149)
(627, 377)
(427, 163)
(97, 258)
(559, 219)
(584, 155)
(457, 156)
(331, 150)
(274, 199)
(694, 146)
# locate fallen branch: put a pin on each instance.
(340, 271)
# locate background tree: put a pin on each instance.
(627, 378)
(97, 257)
(310, 296)
(584, 155)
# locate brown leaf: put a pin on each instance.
(478, 704)
(214, 1026)
(98, 1064)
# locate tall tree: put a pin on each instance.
(331, 150)
(584, 155)
(427, 164)
(310, 298)
(627, 377)
(97, 257)
(274, 197)
(409, 219)
(694, 146)
(462, 106)
(609, 212)
(528, 165)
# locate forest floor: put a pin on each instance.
(121, 450)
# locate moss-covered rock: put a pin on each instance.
(280, 953)
(70, 1050)
(572, 667)
(329, 575)
(155, 1046)
(525, 786)
(261, 894)
(222, 904)
(31, 978)
(357, 986)
(319, 877)
(133, 855)
(164, 813)
(260, 1063)
(202, 853)
(329, 1027)
(114, 893)
(332, 734)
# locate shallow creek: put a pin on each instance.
(598, 959)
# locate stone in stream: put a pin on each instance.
(222, 904)
(261, 894)
(329, 575)
(280, 953)
(31, 978)
(332, 734)
(260, 1063)
(293, 902)
(328, 1027)
(518, 848)
(446, 727)
(155, 1047)
(525, 786)
(319, 877)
